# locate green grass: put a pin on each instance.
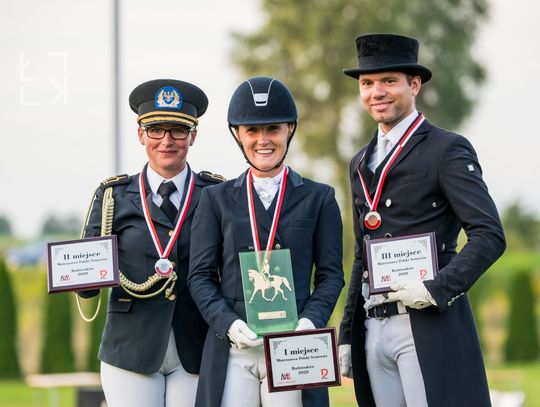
(343, 396)
(515, 377)
(523, 377)
(18, 394)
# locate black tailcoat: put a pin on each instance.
(435, 185)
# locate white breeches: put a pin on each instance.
(246, 384)
(171, 386)
(394, 372)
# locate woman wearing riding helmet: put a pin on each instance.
(268, 206)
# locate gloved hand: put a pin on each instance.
(412, 294)
(242, 337)
(345, 361)
(304, 324)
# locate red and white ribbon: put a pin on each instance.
(163, 254)
(378, 191)
(277, 212)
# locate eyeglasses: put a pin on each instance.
(177, 133)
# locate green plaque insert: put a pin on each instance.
(269, 296)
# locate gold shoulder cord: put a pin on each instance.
(129, 286)
(106, 198)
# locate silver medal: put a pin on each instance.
(163, 267)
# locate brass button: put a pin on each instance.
(171, 232)
(277, 246)
(172, 297)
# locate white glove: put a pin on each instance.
(242, 337)
(304, 324)
(345, 361)
(412, 294)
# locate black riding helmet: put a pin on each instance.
(262, 100)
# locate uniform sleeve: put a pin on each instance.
(356, 276)
(328, 258)
(93, 229)
(204, 267)
(460, 177)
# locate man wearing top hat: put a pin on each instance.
(152, 341)
(416, 345)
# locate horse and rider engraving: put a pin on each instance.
(263, 280)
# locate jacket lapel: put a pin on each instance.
(134, 195)
(416, 138)
(363, 165)
(295, 191)
(197, 188)
(238, 193)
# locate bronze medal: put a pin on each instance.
(372, 220)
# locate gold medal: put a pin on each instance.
(372, 220)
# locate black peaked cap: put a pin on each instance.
(168, 101)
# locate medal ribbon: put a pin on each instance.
(277, 212)
(378, 191)
(163, 254)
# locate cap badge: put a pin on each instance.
(168, 97)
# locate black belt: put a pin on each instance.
(385, 310)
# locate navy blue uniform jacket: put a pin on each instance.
(310, 226)
(136, 332)
(435, 185)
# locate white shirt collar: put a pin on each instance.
(155, 180)
(399, 129)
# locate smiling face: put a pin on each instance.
(388, 97)
(166, 156)
(264, 145)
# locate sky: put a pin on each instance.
(56, 96)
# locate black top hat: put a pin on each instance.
(388, 52)
(168, 101)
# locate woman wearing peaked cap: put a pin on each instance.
(269, 206)
(152, 342)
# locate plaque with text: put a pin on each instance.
(301, 360)
(269, 296)
(82, 264)
(392, 260)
